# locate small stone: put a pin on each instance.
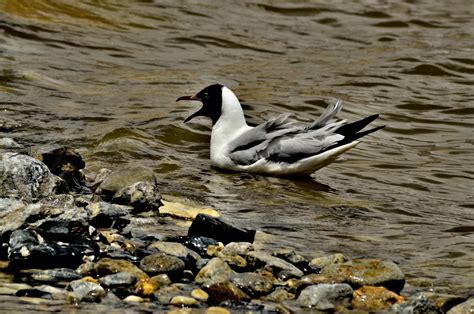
(443, 301)
(252, 284)
(368, 272)
(215, 271)
(208, 226)
(133, 299)
(11, 288)
(237, 248)
(325, 297)
(213, 250)
(85, 269)
(416, 305)
(465, 307)
(142, 196)
(199, 244)
(162, 280)
(8, 142)
(12, 214)
(105, 215)
(174, 248)
(87, 291)
(200, 295)
(321, 262)
(183, 211)
(111, 183)
(279, 295)
(233, 260)
(55, 275)
(146, 287)
(107, 266)
(259, 258)
(217, 310)
(374, 298)
(225, 291)
(181, 300)
(44, 291)
(161, 263)
(118, 279)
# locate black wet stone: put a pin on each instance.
(207, 226)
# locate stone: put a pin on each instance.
(259, 259)
(321, 262)
(162, 280)
(26, 178)
(233, 260)
(87, 291)
(8, 142)
(279, 296)
(85, 269)
(416, 305)
(292, 257)
(198, 244)
(465, 307)
(444, 301)
(161, 263)
(325, 297)
(108, 266)
(146, 286)
(183, 211)
(368, 272)
(295, 284)
(105, 215)
(66, 163)
(200, 295)
(217, 310)
(252, 284)
(110, 183)
(374, 298)
(118, 279)
(43, 291)
(225, 291)
(174, 248)
(207, 226)
(142, 196)
(237, 248)
(181, 300)
(214, 271)
(12, 214)
(133, 299)
(11, 288)
(55, 275)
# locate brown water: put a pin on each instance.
(102, 76)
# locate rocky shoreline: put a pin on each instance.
(72, 242)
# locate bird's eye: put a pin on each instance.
(206, 95)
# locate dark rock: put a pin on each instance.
(107, 266)
(198, 244)
(298, 260)
(207, 226)
(161, 263)
(368, 272)
(66, 163)
(142, 196)
(225, 291)
(87, 291)
(261, 259)
(106, 215)
(252, 284)
(27, 249)
(325, 297)
(55, 275)
(24, 177)
(118, 279)
(416, 305)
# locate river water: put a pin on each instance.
(102, 76)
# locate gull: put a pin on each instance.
(277, 147)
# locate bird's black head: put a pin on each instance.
(211, 98)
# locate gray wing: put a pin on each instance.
(328, 114)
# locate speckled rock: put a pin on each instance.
(161, 263)
(279, 295)
(225, 291)
(321, 262)
(12, 214)
(184, 211)
(54, 275)
(416, 305)
(215, 271)
(444, 301)
(8, 142)
(369, 272)
(237, 248)
(26, 178)
(108, 266)
(118, 279)
(86, 291)
(374, 298)
(259, 258)
(252, 284)
(325, 297)
(181, 300)
(142, 196)
(465, 307)
(174, 248)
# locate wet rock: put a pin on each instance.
(207, 226)
(252, 284)
(107, 266)
(12, 214)
(161, 263)
(118, 279)
(368, 272)
(279, 295)
(444, 301)
(85, 269)
(146, 286)
(162, 280)
(225, 291)
(11, 288)
(142, 196)
(87, 291)
(243, 306)
(235, 261)
(55, 275)
(325, 297)
(465, 307)
(66, 163)
(217, 310)
(43, 291)
(198, 244)
(183, 211)
(292, 257)
(259, 259)
(111, 183)
(416, 305)
(166, 294)
(200, 295)
(174, 248)
(8, 142)
(181, 300)
(133, 299)
(321, 262)
(374, 298)
(295, 284)
(105, 215)
(237, 248)
(215, 271)
(26, 178)
(28, 249)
